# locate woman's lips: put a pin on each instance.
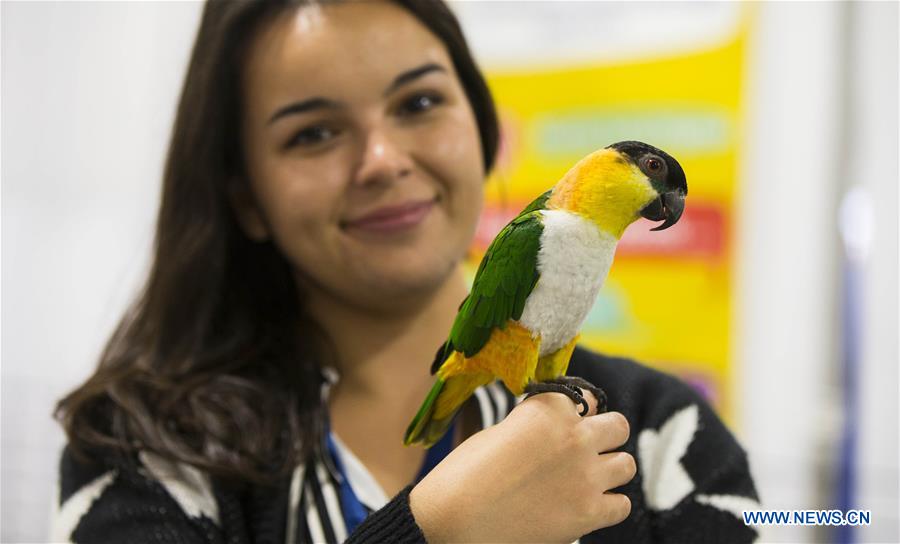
(392, 219)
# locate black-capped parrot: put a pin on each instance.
(540, 276)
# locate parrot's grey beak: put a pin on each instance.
(668, 206)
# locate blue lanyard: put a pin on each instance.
(353, 510)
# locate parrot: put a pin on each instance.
(540, 276)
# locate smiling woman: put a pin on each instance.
(323, 183)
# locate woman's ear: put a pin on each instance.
(247, 211)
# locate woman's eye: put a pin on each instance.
(420, 103)
(311, 136)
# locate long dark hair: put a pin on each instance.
(216, 363)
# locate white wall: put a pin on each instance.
(88, 94)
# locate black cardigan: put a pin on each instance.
(693, 481)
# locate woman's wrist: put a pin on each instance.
(432, 520)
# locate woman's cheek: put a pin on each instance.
(459, 138)
(298, 213)
(453, 152)
(310, 189)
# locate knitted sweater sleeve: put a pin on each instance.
(393, 523)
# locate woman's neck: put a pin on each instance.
(378, 353)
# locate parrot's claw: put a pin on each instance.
(599, 394)
(574, 393)
(571, 387)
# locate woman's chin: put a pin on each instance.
(407, 268)
(420, 281)
(405, 281)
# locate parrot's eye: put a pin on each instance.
(653, 165)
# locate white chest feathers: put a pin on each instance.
(573, 262)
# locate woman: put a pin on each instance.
(322, 186)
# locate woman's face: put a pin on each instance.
(362, 151)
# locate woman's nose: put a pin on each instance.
(383, 160)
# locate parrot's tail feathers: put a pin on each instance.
(441, 406)
(423, 416)
(441, 356)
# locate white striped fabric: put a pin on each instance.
(332, 504)
(294, 504)
(486, 404)
(501, 400)
(316, 531)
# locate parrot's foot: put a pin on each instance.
(571, 387)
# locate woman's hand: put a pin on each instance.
(534, 477)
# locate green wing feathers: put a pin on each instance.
(506, 276)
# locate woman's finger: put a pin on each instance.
(608, 430)
(615, 469)
(614, 508)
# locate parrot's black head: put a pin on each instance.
(665, 175)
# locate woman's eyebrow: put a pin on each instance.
(302, 107)
(319, 102)
(411, 75)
